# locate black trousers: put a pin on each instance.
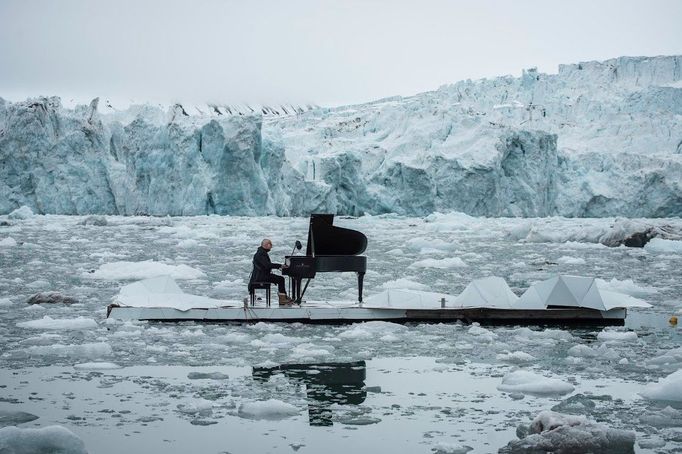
(279, 280)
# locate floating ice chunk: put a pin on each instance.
(578, 404)
(446, 263)
(659, 245)
(369, 330)
(13, 418)
(555, 432)
(653, 442)
(207, 376)
(230, 284)
(617, 336)
(670, 360)
(96, 220)
(5, 302)
(482, 333)
(404, 283)
(97, 366)
(271, 409)
(567, 260)
(188, 243)
(516, 357)
(667, 388)
(88, 350)
(526, 334)
(449, 448)
(668, 417)
(582, 351)
(144, 270)
(197, 406)
(276, 340)
(233, 338)
(21, 213)
(8, 242)
(358, 420)
(527, 382)
(39, 283)
(627, 287)
(308, 350)
(389, 338)
(418, 244)
(51, 439)
(48, 322)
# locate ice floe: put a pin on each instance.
(559, 433)
(48, 322)
(523, 381)
(627, 287)
(143, 270)
(403, 283)
(667, 388)
(662, 246)
(611, 335)
(271, 409)
(51, 439)
(86, 350)
(8, 242)
(446, 263)
(201, 407)
(96, 366)
(516, 357)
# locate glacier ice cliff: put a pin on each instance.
(596, 139)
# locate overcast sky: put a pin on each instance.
(324, 52)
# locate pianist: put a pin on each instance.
(262, 267)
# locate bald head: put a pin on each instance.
(266, 244)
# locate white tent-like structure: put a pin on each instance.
(162, 291)
(488, 292)
(574, 291)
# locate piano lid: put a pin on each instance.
(326, 239)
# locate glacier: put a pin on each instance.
(597, 139)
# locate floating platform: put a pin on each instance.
(561, 300)
(329, 313)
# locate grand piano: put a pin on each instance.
(330, 249)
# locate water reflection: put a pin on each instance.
(326, 384)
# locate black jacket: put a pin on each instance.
(262, 266)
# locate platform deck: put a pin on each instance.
(353, 313)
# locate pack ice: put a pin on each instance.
(596, 139)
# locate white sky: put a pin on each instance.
(324, 52)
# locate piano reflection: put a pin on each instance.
(330, 249)
(326, 384)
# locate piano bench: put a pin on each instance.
(259, 286)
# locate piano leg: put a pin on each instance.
(361, 277)
(295, 288)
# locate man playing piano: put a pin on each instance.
(262, 267)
